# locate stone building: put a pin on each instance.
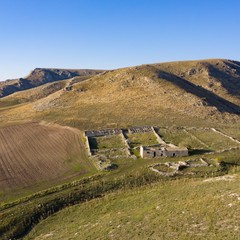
(159, 150)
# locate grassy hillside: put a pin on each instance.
(19, 216)
(194, 104)
(180, 93)
(183, 209)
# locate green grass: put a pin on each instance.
(107, 142)
(233, 132)
(113, 153)
(138, 139)
(179, 137)
(195, 161)
(23, 214)
(166, 210)
(164, 168)
(109, 146)
(210, 161)
(214, 140)
(200, 170)
(197, 138)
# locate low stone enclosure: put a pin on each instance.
(103, 132)
(161, 149)
(97, 134)
(105, 145)
(169, 169)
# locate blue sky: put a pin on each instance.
(107, 34)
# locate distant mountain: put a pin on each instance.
(41, 76)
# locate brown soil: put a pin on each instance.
(33, 152)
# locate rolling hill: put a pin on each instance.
(192, 92)
(44, 165)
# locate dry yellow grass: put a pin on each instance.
(180, 93)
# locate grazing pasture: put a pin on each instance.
(199, 138)
(183, 209)
(214, 140)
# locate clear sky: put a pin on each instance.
(106, 34)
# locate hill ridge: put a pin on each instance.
(208, 90)
(40, 76)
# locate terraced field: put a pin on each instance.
(199, 138)
(231, 132)
(213, 140)
(180, 137)
(31, 153)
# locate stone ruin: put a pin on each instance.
(160, 150)
(140, 129)
(104, 132)
(176, 167)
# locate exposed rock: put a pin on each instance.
(40, 76)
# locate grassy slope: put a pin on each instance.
(137, 96)
(149, 94)
(129, 174)
(199, 138)
(183, 209)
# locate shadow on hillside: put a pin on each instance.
(198, 151)
(209, 97)
(228, 81)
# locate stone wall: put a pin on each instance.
(140, 129)
(104, 132)
(159, 150)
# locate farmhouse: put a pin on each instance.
(162, 150)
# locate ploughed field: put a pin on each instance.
(32, 152)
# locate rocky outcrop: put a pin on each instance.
(40, 76)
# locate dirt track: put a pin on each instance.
(32, 152)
